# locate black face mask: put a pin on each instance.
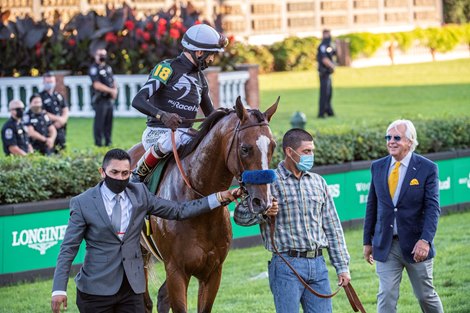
(116, 185)
(19, 112)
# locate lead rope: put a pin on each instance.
(350, 292)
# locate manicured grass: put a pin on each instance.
(244, 288)
(361, 97)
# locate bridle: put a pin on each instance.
(236, 137)
(245, 198)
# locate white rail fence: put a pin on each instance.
(231, 85)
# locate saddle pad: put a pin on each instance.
(154, 178)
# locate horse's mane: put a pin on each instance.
(208, 124)
(204, 128)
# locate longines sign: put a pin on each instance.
(39, 239)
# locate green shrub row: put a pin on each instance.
(333, 147)
(36, 177)
(295, 53)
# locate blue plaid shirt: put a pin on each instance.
(307, 218)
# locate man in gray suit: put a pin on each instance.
(110, 217)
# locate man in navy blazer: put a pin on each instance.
(401, 220)
(109, 217)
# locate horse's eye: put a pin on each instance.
(244, 150)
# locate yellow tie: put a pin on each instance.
(393, 179)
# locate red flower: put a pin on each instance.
(72, 42)
(161, 30)
(139, 32)
(146, 36)
(174, 33)
(38, 49)
(179, 26)
(149, 26)
(111, 37)
(129, 25)
(144, 46)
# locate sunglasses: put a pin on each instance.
(396, 138)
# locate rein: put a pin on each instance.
(194, 120)
(350, 292)
(180, 166)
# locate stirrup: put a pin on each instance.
(148, 162)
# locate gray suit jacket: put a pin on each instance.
(107, 257)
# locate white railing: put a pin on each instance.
(231, 85)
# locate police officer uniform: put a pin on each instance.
(102, 103)
(14, 134)
(55, 104)
(40, 122)
(325, 49)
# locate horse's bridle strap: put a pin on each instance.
(350, 292)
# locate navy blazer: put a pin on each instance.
(417, 210)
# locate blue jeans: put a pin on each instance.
(287, 290)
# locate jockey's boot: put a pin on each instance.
(146, 163)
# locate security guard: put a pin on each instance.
(40, 128)
(104, 94)
(14, 135)
(56, 109)
(175, 89)
(326, 67)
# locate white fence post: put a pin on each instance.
(17, 86)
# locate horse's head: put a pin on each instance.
(250, 153)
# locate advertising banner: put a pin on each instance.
(32, 241)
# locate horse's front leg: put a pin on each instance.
(208, 291)
(147, 299)
(177, 284)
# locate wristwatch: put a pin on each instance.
(425, 240)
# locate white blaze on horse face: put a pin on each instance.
(263, 146)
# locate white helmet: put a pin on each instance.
(202, 37)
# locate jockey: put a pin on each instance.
(173, 93)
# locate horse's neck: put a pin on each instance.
(208, 171)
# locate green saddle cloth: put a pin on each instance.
(154, 178)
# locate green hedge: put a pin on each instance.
(295, 53)
(336, 147)
(37, 177)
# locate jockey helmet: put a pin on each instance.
(202, 37)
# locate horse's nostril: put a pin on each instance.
(257, 202)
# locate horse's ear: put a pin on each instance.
(242, 113)
(271, 110)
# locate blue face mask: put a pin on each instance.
(305, 163)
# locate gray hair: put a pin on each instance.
(410, 132)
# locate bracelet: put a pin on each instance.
(219, 197)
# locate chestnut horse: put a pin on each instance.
(226, 145)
